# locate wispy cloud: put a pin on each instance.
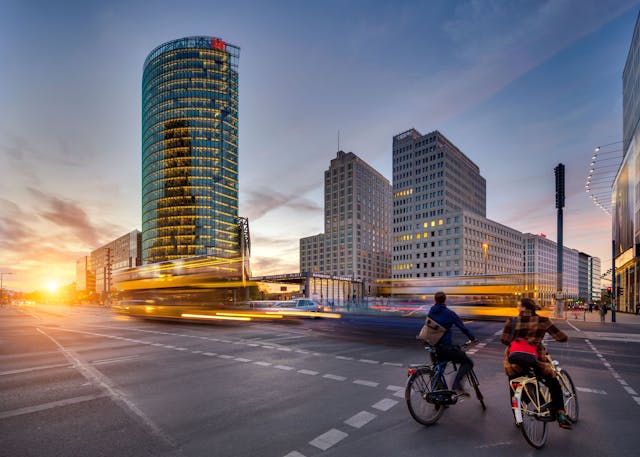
(67, 214)
(262, 200)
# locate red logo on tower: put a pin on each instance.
(218, 44)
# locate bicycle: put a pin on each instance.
(531, 403)
(427, 393)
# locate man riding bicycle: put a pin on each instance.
(445, 350)
(532, 328)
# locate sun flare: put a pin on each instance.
(52, 286)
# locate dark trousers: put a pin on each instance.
(457, 355)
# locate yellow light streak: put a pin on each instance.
(207, 316)
(263, 315)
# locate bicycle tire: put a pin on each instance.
(473, 379)
(419, 385)
(571, 406)
(533, 429)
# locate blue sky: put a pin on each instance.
(518, 86)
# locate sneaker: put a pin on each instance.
(563, 420)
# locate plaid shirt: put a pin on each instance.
(532, 328)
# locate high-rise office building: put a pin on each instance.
(439, 208)
(190, 150)
(356, 241)
(626, 203)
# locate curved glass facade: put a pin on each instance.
(190, 150)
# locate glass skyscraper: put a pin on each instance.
(190, 150)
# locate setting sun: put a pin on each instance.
(52, 286)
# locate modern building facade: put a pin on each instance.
(625, 200)
(594, 280)
(461, 243)
(190, 150)
(93, 272)
(356, 242)
(580, 271)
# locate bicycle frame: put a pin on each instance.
(539, 400)
(539, 406)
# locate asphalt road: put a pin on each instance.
(84, 382)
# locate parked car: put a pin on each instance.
(301, 304)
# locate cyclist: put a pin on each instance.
(445, 350)
(532, 328)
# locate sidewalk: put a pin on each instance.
(594, 316)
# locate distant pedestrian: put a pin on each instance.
(603, 311)
(590, 307)
(637, 308)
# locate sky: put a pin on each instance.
(519, 86)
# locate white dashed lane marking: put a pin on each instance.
(334, 377)
(361, 419)
(614, 373)
(385, 404)
(328, 439)
(362, 382)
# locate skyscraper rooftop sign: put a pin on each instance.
(218, 44)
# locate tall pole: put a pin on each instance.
(559, 172)
(614, 289)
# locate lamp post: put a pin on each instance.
(1, 289)
(485, 248)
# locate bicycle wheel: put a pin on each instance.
(419, 385)
(570, 396)
(473, 380)
(533, 430)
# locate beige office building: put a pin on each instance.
(356, 242)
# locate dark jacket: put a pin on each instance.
(447, 318)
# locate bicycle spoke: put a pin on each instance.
(419, 386)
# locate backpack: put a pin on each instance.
(431, 332)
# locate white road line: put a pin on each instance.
(210, 354)
(614, 373)
(399, 394)
(98, 379)
(342, 357)
(385, 404)
(113, 359)
(392, 364)
(283, 367)
(225, 356)
(368, 361)
(362, 382)
(574, 327)
(592, 391)
(328, 439)
(309, 372)
(334, 377)
(50, 405)
(361, 419)
(241, 359)
(27, 370)
(394, 388)
(262, 364)
(294, 454)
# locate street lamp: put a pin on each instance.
(1, 289)
(485, 248)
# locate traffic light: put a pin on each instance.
(620, 291)
(609, 291)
